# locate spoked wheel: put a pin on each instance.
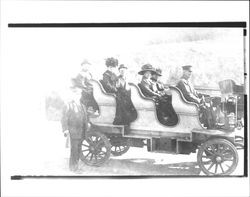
(95, 149)
(217, 157)
(119, 145)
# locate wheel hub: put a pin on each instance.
(92, 149)
(218, 159)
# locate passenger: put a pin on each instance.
(82, 81)
(207, 117)
(158, 85)
(125, 110)
(146, 84)
(74, 123)
(164, 109)
(109, 77)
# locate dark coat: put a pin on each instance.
(82, 81)
(164, 109)
(109, 82)
(188, 91)
(75, 120)
(146, 87)
(125, 110)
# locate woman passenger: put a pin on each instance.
(109, 77)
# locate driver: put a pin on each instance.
(186, 87)
(190, 94)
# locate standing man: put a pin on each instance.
(109, 77)
(207, 117)
(75, 123)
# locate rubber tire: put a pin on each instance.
(105, 143)
(217, 141)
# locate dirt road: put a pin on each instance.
(52, 159)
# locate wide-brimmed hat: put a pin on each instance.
(145, 68)
(111, 62)
(122, 66)
(187, 67)
(158, 71)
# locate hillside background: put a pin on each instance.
(215, 54)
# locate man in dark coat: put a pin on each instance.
(109, 77)
(75, 123)
(125, 110)
(186, 87)
(207, 116)
(158, 85)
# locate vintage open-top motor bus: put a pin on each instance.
(217, 148)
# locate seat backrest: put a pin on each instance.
(147, 120)
(180, 103)
(106, 103)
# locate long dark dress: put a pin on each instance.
(125, 110)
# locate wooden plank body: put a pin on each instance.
(147, 123)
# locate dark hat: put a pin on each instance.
(122, 66)
(187, 67)
(158, 71)
(111, 62)
(146, 67)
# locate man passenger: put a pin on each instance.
(165, 112)
(158, 85)
(125, 110)
(146, 84)
(82, 81)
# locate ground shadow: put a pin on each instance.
(142, 166)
